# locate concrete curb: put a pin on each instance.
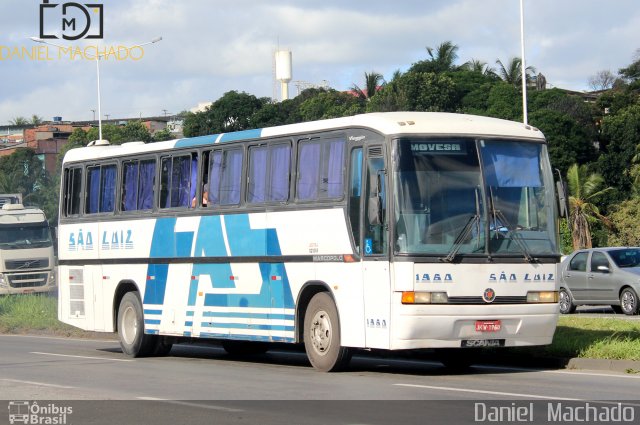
(625, 366)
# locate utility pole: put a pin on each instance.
(94, 113)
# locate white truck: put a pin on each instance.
(27, 262)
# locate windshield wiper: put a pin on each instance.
(462, 236)
(512, 233)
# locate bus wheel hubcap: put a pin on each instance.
(321, 332)
(129, 325)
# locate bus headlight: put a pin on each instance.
(542, 297)
(3, 281)
(411, 297)
(52, 279)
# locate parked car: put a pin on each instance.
(601, 276)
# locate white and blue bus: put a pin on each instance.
(391, 231)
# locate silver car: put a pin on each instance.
(609, 276)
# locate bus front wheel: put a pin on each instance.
(322, 335)
(133, 340)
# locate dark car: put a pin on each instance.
(601, 276)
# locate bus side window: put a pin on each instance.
(101, 189)
(72, 191)
(375, 238)
(178, 181)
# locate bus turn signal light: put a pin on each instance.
(542, 297)
(411, 297)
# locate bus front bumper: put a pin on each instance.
(473, 326)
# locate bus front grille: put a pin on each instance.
(479, 300)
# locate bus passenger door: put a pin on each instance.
(375, 265)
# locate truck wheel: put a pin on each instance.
(322, 335)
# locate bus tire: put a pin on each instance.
(322, 335)
(133, 341)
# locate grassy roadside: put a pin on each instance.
(34, 314)
(599, 338)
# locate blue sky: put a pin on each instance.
(211, 47)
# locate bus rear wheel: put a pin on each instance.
(133, 341)
(322, 335)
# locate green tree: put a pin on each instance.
(330, 104)
(584, 191)
(569, 141)
(619, 136)
(416, 91)
(511, 73)
(441, 59)
(21, 121)
(24, 173)
(36, 120)
(162, 135)
(504, 101)
(134, 131)
(625, 219)
(232, 112)
(372, 83)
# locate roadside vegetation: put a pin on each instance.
(596, 338)
(599, 338)
(33, 314)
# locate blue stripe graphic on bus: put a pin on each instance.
(240, 135)
(274, 293)
(166, 242)
(244, 241)
(275, 290)
(210, 243)
(196, 141)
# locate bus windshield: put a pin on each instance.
(465, 196)
(25, 236)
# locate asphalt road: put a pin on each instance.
(202, 384)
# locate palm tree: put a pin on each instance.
(36, 119)
(476, 65)
(512, 73)
(444, 56)
(584, 190)
(19, 121)
(372, 83)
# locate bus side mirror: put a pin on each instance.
(562, 199)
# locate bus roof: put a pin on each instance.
(388, 123)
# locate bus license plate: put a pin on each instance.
(482, 343)
(488, 326)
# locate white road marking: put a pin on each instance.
(81, 357)
(198, 405)
(564, 372)
(39, 384)
(468, 390)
